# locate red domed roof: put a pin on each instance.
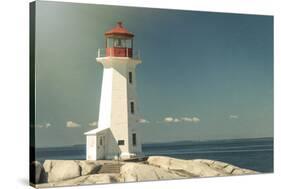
(119, 30)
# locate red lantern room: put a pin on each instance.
(119, 42)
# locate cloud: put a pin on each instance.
(233, 116)
(168, 119)
(182, 119)
(190, 119)
(93, 124)
(40, 126)
(187, 119)
(176, 120)
(195, 119)
(143, 121)
(71, 124)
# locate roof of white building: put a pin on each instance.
(95, 131)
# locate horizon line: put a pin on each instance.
(148, 143)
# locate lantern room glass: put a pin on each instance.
(119, 42)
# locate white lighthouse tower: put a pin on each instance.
(117, 134)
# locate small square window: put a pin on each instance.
(121, 142)
(132, 107)
(130, 77)
(134, 139)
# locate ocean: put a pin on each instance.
(255, 154)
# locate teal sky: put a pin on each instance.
(204, 75)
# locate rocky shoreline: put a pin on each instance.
(83, 172)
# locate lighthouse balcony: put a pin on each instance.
(119, 52)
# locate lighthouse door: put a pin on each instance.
(101, 147)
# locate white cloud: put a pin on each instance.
(182, 119)
(168, 119)
(71, 124)
(233, 116)
(190, 119)
(176, 120)
(40, 126)
(187, 119)
(195, 119)
(141, 120)
(93, 124)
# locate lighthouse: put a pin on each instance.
(117, 132)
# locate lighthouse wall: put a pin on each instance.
(105, 99)
(117, 93)
(91, 142)
(119, 116)
(133, 118)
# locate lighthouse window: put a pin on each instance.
(134, 139)
(132, 107)
(130, 77)
(121, 142)
(109, 42)
(119, 42)
(129, 43)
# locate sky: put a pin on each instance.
(204, 76)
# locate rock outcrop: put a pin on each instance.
(59, 170)
(132, 172)
(74, 172)
(89, 167)
(197, 167)
(84, 180)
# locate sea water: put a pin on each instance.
(255, 154)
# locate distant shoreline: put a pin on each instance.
(167, 143)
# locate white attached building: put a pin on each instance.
(117, 134)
